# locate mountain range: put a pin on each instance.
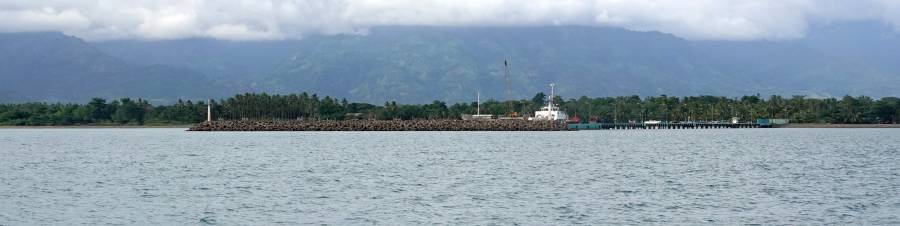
(421, 64)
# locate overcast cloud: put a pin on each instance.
(291, 19)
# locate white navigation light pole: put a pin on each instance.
(209, 111)
(478, 103)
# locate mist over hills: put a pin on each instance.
(54, 67)
(420, 64)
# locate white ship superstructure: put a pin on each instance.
(551, 111)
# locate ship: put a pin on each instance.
(550, 112)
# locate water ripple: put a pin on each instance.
(168, 176)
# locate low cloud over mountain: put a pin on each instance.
(295, 19)
(424, 63)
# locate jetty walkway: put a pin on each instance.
(663, 125)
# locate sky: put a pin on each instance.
(294, 19)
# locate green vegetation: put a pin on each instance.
(98, 111)
(125, 111)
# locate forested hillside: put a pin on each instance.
(55, 67)
(451, 64)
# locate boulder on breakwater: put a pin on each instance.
(381, 125)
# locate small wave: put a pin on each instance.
(208, 220)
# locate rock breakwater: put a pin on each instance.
(382, 125)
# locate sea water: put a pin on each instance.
(723, 176)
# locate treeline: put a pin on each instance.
(798, 109)
(250, 106)
(124, 111)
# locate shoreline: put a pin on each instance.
(100, 127)
(839, 126)
(188, 126)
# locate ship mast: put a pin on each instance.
(550, 102)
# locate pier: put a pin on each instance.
(663, 125)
